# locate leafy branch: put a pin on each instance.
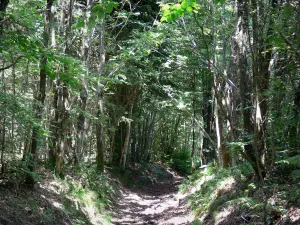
(13, 63)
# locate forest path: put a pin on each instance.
(155, 200)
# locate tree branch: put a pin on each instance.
(289, 43)
(14, 63)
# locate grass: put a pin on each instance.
(88, 191)
(217, 195)
(83, 196)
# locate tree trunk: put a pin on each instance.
(127, 138)
(40, 97)
(63, 108)
(207, 114)
(3, 129)
(261, 56)
(99, 126)
(100, 144)
(3, 6)
(83, 88)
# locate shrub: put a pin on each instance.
(181, 161)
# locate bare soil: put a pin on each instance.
(152, 198)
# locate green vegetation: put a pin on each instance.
(182, 161)
(140, 90)
(217, 195)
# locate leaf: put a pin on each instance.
(220, 1)
(100, 14)
(177, 6)
(165, 7)
(169, 18)
(184, 4)
(51, 75)
(296, 175)
(80, 24)
(97, 7)
(167, 12)
(109, 8)
(164, 18)
(92, 23)
(287, 11)
(180, 12)
(189, 9)
(98, 11)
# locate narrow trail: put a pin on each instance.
(158, 203)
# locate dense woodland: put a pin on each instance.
(187, 84)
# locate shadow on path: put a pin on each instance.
(155, 202)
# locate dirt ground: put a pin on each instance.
(150, 196)
(152, 199)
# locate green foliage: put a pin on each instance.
(19, 170)
(246, 203)
(216, 186)
(98, 13)
(94, 181)
(86, 192)
(296, 175)
(295, 160)
(196, 222)
(182, 161)
(19, 107)
(172, 12)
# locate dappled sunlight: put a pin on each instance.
(69, 196)
(223, 214)
(137, 209)
(56, 204)
(159, 204)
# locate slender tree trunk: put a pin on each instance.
(83, 89)
(3, 128)
(194, 118)
(53, 126)
(40, 97)
(127, 138)
(207, 112)
(99, 126)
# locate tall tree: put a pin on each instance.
(41, 93)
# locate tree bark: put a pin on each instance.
(83, 88)
(3, 6)
(127, 138)
(40, 97)
(99, 126)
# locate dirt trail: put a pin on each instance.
(155, 203)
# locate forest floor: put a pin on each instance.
(148, 194)
(151, 198)
(46, 203)
(144, 194)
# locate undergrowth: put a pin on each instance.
(232, 196)
(181, 161)
(90, 191)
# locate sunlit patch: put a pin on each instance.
(181, 105)
(293, 215)
(227, 184)
(153, 209)
(223, 214)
